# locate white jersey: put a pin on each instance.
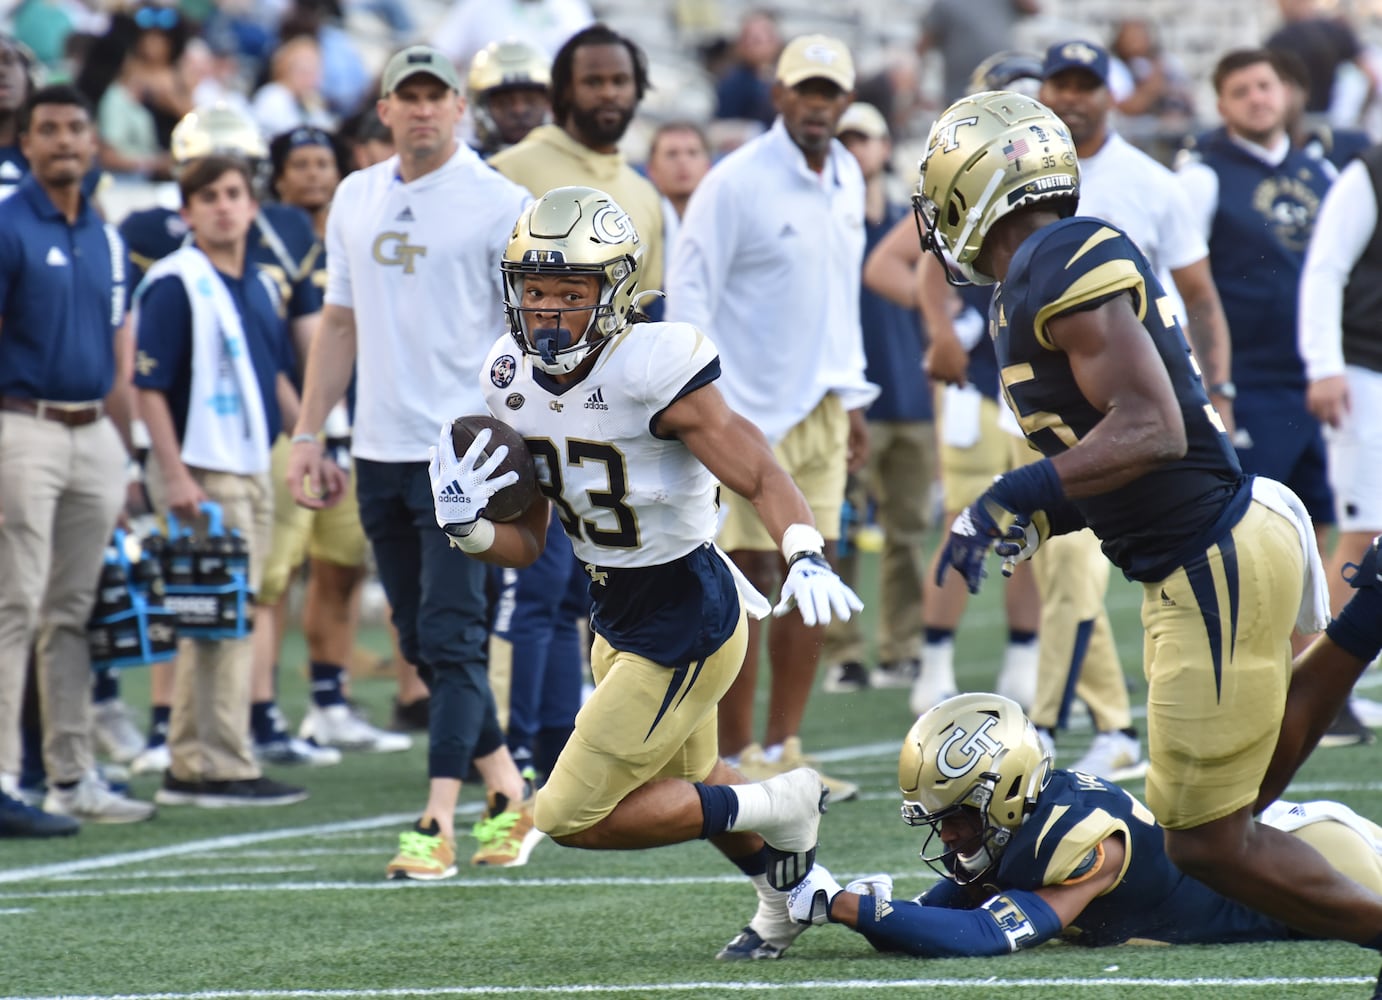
(627, 498)
(417, 263)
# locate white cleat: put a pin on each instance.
(152, 760)
(1113, 756)
(116, 735)
(337, 726)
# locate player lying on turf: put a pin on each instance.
(629, 435)
(1028, 853)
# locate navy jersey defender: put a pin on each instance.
(1027, 853)
(1158, 521)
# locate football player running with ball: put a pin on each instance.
(1099, 375)
(630, 435)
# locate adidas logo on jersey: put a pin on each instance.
(1166, 601)
(404, 216)
(56, 258)
(597, 400)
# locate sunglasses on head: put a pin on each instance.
(165, 18)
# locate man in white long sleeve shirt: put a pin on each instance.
(1340, 342)
(767, 263)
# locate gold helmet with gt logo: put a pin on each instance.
(572, 231)
(216, 129)
(990, 154)
(976, 752)
(503, 65)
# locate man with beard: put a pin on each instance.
(782, 217)
(598, 79)
(507, 89)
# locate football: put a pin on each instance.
(511, 501)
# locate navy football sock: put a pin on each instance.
(328, 684)
(719, 809)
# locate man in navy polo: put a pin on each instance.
(62, 316)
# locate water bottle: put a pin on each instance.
(237, 555)
(147, 571)
(113, 591)
(180, 562)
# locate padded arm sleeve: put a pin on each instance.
(1009, 921)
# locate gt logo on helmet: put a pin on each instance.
(612, 225)
(943, 138)
(973, 746)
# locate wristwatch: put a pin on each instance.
(1227, 390)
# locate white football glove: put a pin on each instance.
(813, 589)
(809, 901)
(879, 886)
(460, 488)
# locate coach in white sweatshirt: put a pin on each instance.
(767, 263)
(413, 303)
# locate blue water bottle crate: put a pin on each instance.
(207, 579)
(129, 625)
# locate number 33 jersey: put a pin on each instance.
(626, 497)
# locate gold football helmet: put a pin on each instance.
(988, 155)
(216, 129)
(572, 230)
(501, 65)
(973, 751)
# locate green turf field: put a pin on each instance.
(291, 902)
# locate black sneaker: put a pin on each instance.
(841, 678)
(412, 717)
(259, 791)
(18, 819)
(1346, 730)
(177, 792)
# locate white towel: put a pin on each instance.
(1313, 614)
(226, 430)
(1291, 816)
(960, 416)
(756, 606)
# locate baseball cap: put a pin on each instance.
(865, 119)
(417, 59)
(816, 56)
(1088, 56)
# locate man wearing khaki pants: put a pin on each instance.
(213, 389)
(62, 312)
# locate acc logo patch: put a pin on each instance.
(501, 373)
(514, 400)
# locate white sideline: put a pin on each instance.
(651, 989)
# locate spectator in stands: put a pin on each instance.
(212, 329)
(1160, 86)
(470, 25)
(136, 112)
(1323, 43)
(965, 33)
(783, 216)
(370, 140)
(64, 364)
(902, 443)
(746, 89)
(293, 96)
(598, 80)
(678, 160)
(16, 83)
(345, 80)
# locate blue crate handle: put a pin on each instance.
(215, 521)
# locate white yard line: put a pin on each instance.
(187, 873)
(988, 986)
